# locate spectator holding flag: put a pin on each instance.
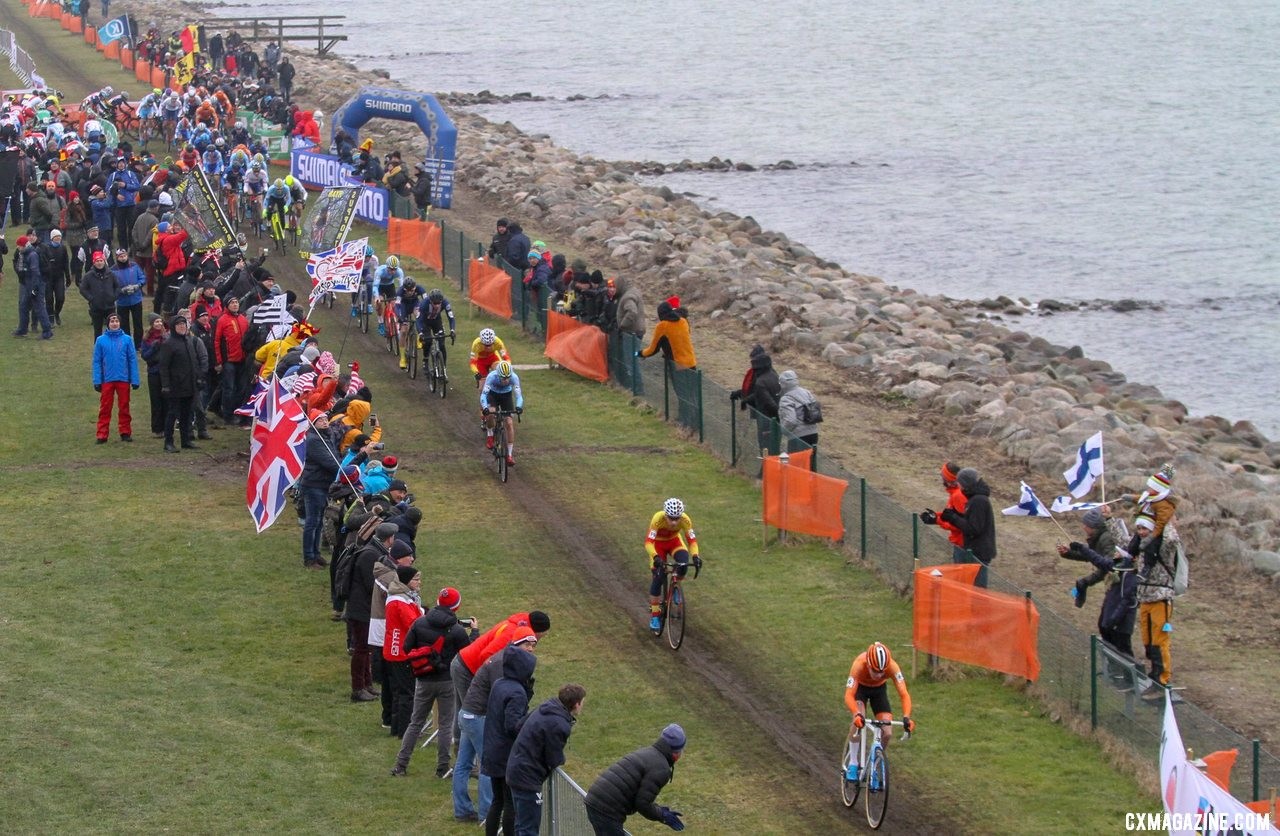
(977, 523)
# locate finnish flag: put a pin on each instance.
(1029, 505)
(1088, 467)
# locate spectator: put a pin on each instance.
(518, 246)
(46, 211)
(115, 372)
(1159, 554)
(1119, 606)
(179, 366)
(505, 714)
(143, 238)
(77, 230)
(403, 608)
(630, 308)
(377, 552)
(760, 390)
(977, 522)
(498, 245)
(156, 334)
(384, 574)
(957, 502)
(632, 785)
(607, 319)
(101, 219)
(100, 288)
(129, 303)
(672, 336)
(538, 751)
(171, 261)
(791, 415)
(228, 357)
(319, 470)
(422, 190)
(286, 73)
(431, 645)
(55, 268)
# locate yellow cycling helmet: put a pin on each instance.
(289, 181)
(393, 262)
(504, 369)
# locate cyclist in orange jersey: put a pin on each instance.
(868, 678)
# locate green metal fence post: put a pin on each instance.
(635, 365)
(862, 514)
(700, 422)
(1093, 681)
(462, 254)
(1257, 775)
(666, 391)
(733, 434)
(915, 536)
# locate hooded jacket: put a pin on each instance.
(517, 254)
(476, 700)
(439, 621)
(359, 601)
(100, 288)
(492, 640)
(977, 523)
(1121, 599)
(179, 365)
(766, 389)
(170, 244)
(353, 419)
(402, 611)
(539, 748)
(114, 359)
(672, 336)
(793, 397)
(505, 713)
(632, 784)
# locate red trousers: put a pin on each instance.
(110, 392)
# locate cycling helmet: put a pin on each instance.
(122, 252)
(504, 369)
(878, 658)
(487, 336)
(155, 90)
(219, 142)
(393, 262)
(288, 179)
(278, 183)
(368, 251)
(409, 284)
(436, 296)
(255, 165)
(673, 508)
(106, 91)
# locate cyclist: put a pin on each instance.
(431, 316)
(149, 115)
(486, 350)
(255, 185)
(867, 681)
(408, 300)
(299, 195)
(670, 535)
(366, 281)
(211, 162)
(170, 111)
(278, 200)
(387, 279)
(501, 391)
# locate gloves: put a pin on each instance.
(671, 818)
(97, 387)
(452, 337)
(135, 386)
(1079, 592)
(908, 724)
(519, 410)
(486, 411)
(859, 721)
(948, 515)
(928, 517)
(478, 376)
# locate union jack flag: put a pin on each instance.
(338, 269)
(276, 453)
(250, 407)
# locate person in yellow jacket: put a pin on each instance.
(672, 335)
(271, 352)
(352, 423)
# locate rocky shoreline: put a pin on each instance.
(1037, 401)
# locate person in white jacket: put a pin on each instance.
(792, 408)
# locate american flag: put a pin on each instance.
(338, 269)
(276, 453)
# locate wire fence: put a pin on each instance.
(564, 812)
(1075, 670)
(20, 61)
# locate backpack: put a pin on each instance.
(160, 261)
(811, 412)
(428, 658)
(20, 264)
(255, 337)
(1181, 572)
(344, 567)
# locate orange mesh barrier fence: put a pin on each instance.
(66, 21)
(126, 58)
(90, 36)
(797, 499)
(142, 70)
(956, 620)
(490, 288)
(1218, 766)
(77, 25)
(157, 77)
(52, 10)
(416, 239)
(112, 50)
(580, 348)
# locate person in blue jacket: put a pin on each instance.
(129, 302)
(538, 751)
(115, 374)
(100, 206)
(122, 188)
(508, 704)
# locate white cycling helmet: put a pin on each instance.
(673, 508)
(487, 336)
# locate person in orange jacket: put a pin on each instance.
(868, 678)
(956, 501)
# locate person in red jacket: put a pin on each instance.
(956, 501)
(169, 239)
(228, 356)
(402, 609)
(470, 658)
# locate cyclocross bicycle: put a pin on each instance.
(437, 376)
(277, 227)
(363, 305)
(391, 325)
(674, 613)
(411, 348)
(873, 770)
(500, 441)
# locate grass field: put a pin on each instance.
(166, 668)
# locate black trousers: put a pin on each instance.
(178, 411)
(401, 685)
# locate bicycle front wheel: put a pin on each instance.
(363, 313)
(848, 789)
(877, 800)
(411, 353)
(500, 448)
(676, 617)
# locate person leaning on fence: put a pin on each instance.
(631, 785)
(672, 336)
(1120, 605)
(977, 523)
(956, 501)
(498, 245)
(538, 752)
(792, 408)
(505, 714)
(761, 390)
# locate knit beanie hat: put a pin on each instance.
(449, 598)
(406, 573)
(968, 478)
(1159, 486)
(399, 548)
(949, 471)
(1092, 518)
(310, 353)
(673, 736)
(1145, 521)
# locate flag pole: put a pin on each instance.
(1102, 477)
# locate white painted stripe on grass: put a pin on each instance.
(526, 367)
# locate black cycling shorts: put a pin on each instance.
(503, 401)
(877, 697)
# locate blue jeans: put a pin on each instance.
(470, 745)
(528, 812)
(313, 502)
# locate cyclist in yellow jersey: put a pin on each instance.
(868, 679)
(670, 533)
(486, 350)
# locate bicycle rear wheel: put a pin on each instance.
(848, 789)
(363, 313)
(676, 615)
(877, 800)
(411, 352)
(393, 338)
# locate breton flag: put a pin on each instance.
(114, 30)
(276, 454)
(1028, 506)
(1088, 467)
(273, 311)
(1063, 504)
(338, 269)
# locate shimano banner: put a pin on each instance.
(407, 106)
(320, 171)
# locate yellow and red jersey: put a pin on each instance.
(860, 674)
(666, 537)
(483, 356)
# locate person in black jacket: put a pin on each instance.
(518, 246)
(1119, 610)
(422, 190)
(319, 470)
(359, 609)
(434, 686)
(55, 266)
(761, 391)
(977, 523)
(179, 366)
(538, 751)
(508, 704)
(498, 246)
(632, 785)
(100, 288)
